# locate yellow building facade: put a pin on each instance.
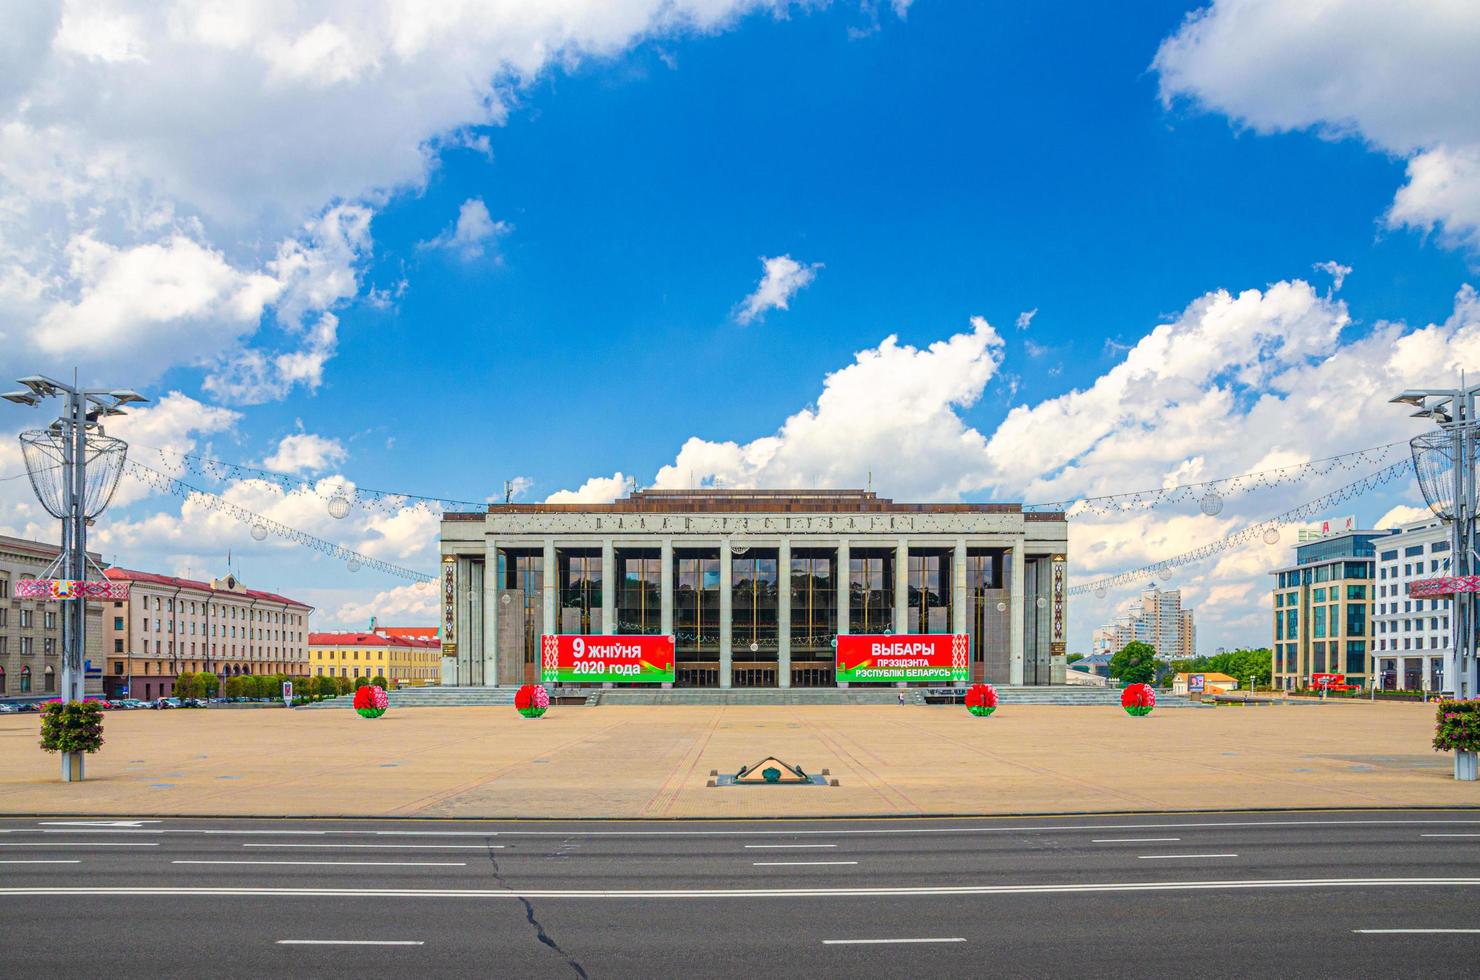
(402, 661)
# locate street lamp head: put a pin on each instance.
(40, 385)
(126, 396)
(1410, 397)
(21, 397)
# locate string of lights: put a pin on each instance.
(1267, 530)
(1209, 495)
(263, 527)
(341, 498)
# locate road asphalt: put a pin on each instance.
(1312, 893)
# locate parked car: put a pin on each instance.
(9, 709)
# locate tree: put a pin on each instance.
(344, 685)
(1073, 657)
(236, 686)
(209, 684)
(380, 682)
(1134, 664)
(187, 685)
(361, 682)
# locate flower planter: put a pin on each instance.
(1466, 765)
(1457, 730)
(532, 700)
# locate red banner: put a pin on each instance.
(1439, 588)
(58, 589)
(872, 658)
(572, 659)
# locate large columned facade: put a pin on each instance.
(754, 587)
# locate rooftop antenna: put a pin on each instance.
(508, 491)
(870, 487)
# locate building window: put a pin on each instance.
(26, 679)
(25, 646)
(26, 618)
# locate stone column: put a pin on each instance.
(490, 612)
(845, 596)
(550, 590)
(783, 614)
(726, 613)
(665, 588)
(902, 587)
(465, 652)
(1015, 610)
(958, 587)
(608, 587)
(665, 592)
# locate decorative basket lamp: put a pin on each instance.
(371, 701)
(981, 699)
(532, 700)
(1138, 700)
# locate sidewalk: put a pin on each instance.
(653, 762)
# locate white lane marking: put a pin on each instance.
(50, 861)
(882, 831)
(94, 823)
(1414, 932)
(346, 864)
(1168, 857)
(876, 942)
(351, 942)
(394, 847)
(79, 844)
(1449, 835)
(795, 864)
(1135, 840)
(812, 892)
(780, 847)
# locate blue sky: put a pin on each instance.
(928, 162)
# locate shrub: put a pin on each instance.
(379, 682)
(1457, 726)
(361, 682)
(344, 686)
(76, 726)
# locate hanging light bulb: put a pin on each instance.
(1272, 535)
(1211, 503)
(259, 533)
(352, 566)
(339, 507)
(1101, 592)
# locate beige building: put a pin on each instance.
(1323, 605)
(31, 629)
(754, 586)
(1157, 617)
(172, 625)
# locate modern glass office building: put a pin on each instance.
(753, 586)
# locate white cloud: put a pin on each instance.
(1403, 514)
(474, 232)
(782, 278)
(891, 413)
(305, 452)
(1400, 76)
(158, 162)
(1336, 271)
(597, 490)
(1025, 318)
(404, 605)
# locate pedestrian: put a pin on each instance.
(901, 697)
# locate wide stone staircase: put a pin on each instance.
(434, 697)
(456, 697)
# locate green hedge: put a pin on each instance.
(76, 726)
(1457, 726)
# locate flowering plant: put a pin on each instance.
(981, 699)
(76, 726)
(532, 700)
(371, 701)
(1138, 700)
(1457, 726)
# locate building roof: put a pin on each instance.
(410, 632)
(41, 549)
(755, 501)
(369, 640)
(1207, 675)
(172, 582)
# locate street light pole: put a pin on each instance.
(1453, 409)
(64, 445)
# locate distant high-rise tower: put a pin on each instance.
(1157, 618)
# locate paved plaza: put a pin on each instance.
(654, 762)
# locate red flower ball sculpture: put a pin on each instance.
(981, 699)
(371, 702)
(1138, 700)
(532, 700)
